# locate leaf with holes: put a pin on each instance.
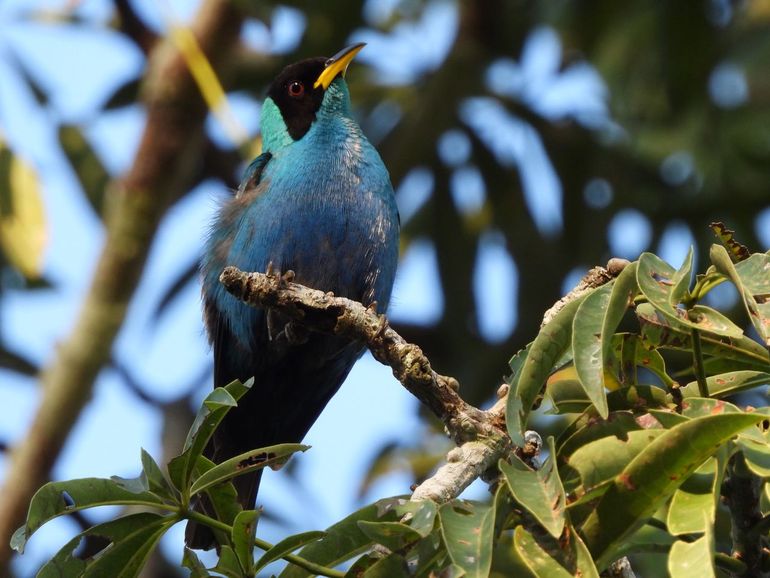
(244, 463)
(664, 288)
(466, 528)
(538, 491)
(549, 345)
(128, 541)
(752, 279)
(653, 476)
(58, 498)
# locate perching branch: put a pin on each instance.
(481, 436)
(165, 164)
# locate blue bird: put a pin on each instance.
(318, 201)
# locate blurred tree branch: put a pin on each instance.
(167, 161)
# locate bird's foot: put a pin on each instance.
(286, 278)
(296, 333)
(381, 327)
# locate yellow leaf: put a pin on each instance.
(23, 232)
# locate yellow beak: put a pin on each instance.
(338, 64)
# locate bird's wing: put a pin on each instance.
(253, 173)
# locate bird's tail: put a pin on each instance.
(201, 537)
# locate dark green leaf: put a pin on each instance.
(191, 562)
(633, 353)
(538, 491)
(591, 469)
(728, 383)
(156, 480)
(663, 288)
(595, 322)
(467, 531)
(757, 455)
(211, 413)
(245, 463)
(753, 286)
(548, 347)
(537, 560)
(127, 93)
(693, 506)
(589, 428)
(420, 515)
(244, 532)
(94, 178)
(128, 541)
(392, 535)
(736, 352)
(391, 566)
(343, 540)
(652, 476)
(228, 564)
(287, 546)
(57, 498)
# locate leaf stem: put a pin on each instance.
(730, 564)
(263, 545)
(697, 361)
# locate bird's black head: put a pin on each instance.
(292, 91)
(299, 89)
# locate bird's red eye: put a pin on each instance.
(296, 89)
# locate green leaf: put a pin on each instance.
(243, 535)
(592, 328)
(546, 349)
(228, 564)
(653, 476)
(752, 284)
(632, 353)
(342, 541)
(244, 463)
(287, 546)
(585, 563)
(537, 560)
(729, 383)
(694, 558)
(739, 352)
(58, 498)
(392, 535)
(191, 561)
(420, 515)
(223, 497)
(211, 413)
(391, 566)
(693, 505)
(128, 542)
(467, 531)
(757, 455)
(665, 289)
(589, 347)
(156, 480)
(591, 469)
(94, 178)
(538, 491)
(702, 406)
(588, 428)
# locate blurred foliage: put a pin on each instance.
(654, 110)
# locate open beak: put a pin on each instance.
(338, 64)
